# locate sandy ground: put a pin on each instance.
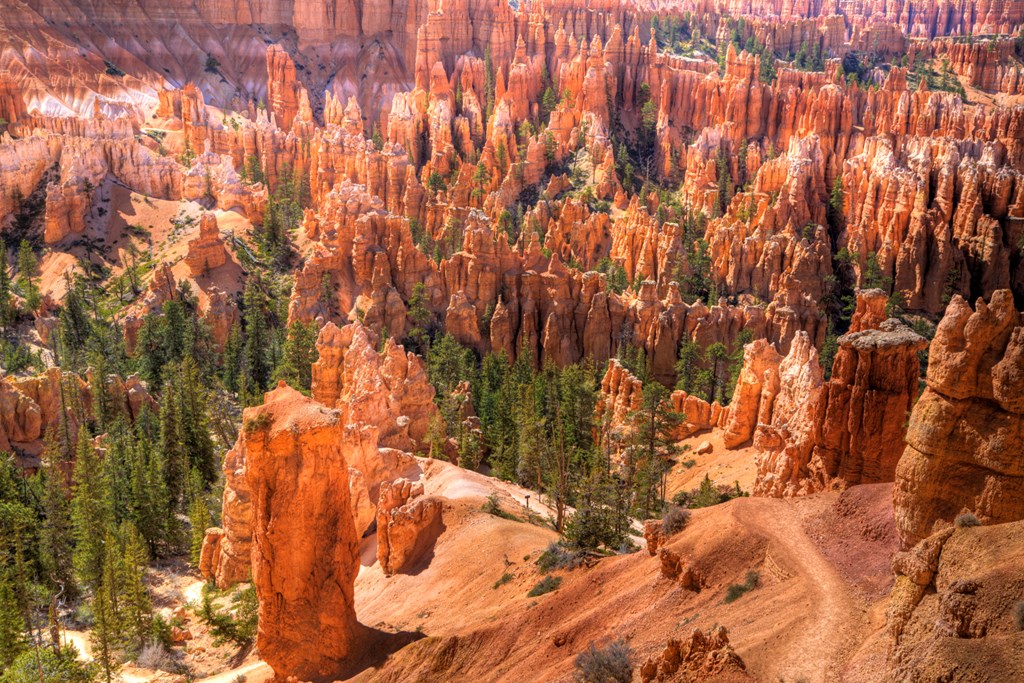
(722, 465)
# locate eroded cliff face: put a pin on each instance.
(30, 406)
(304, 543)
(812, 434)
(963, 442)
(951, 609)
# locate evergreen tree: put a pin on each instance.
(718, 355)
(687, 366)
(136, 617)
(171, 445)
(27, 266)
(488, 85)
(725, 184)
(193, 421)
(8, 308)
(90, 511)
(106, 630)
(231, 359)
(835, 208)
(154, 512)
(12, 624)
(449, 364)
(298, 356)
(651, 447)
(74, 327)
(255, 353)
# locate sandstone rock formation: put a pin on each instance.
(407, 525)
(700, 657)
(950, 612)
(963, 441)
(207, 250)
(812, 434)
(304, 545)
(386, 389)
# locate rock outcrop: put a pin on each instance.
(814, 435)
(964, 438)
(700, 657)
(950, 613)
(407, 525)
(207, 250)
(386, 389)
(304, 544)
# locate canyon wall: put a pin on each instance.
(964, 439)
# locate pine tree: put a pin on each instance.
(488, 85)
(257, 335)
(154, 510)
(193, 422)
(90, 511)
(55, 531)
(106, 631)
(835, 207)
(717, 354)
(231, 358)
(8, 308)
(74, 327)
(136, 616)
(12, 624)
(27, 265)
(687, 366)
(298, 356)
(171, 445)
(651, 447)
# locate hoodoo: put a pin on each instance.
(486, 340)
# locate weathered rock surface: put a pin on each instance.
(407, 525)
(951, 610)
(207, 250)
(386, 389)
(304, 544)
(849, 430)
(700, 657)
(964, 438)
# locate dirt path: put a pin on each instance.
(834, 625)
(254, 671)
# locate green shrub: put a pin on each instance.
(505, 578)
(557, 556)
(493, 507)
(609, 664)
(967, 519)
(545, 585)
(737, 590)
(674, 520)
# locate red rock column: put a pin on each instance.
(965, 441)
(304, 554)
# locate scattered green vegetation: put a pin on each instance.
(545, 585)
(966, 520)
(609, 664)
(737, 590)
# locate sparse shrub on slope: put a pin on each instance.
(966, 520)
(545, 585)
(738, 590)
(610, 664)
(674, 520)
